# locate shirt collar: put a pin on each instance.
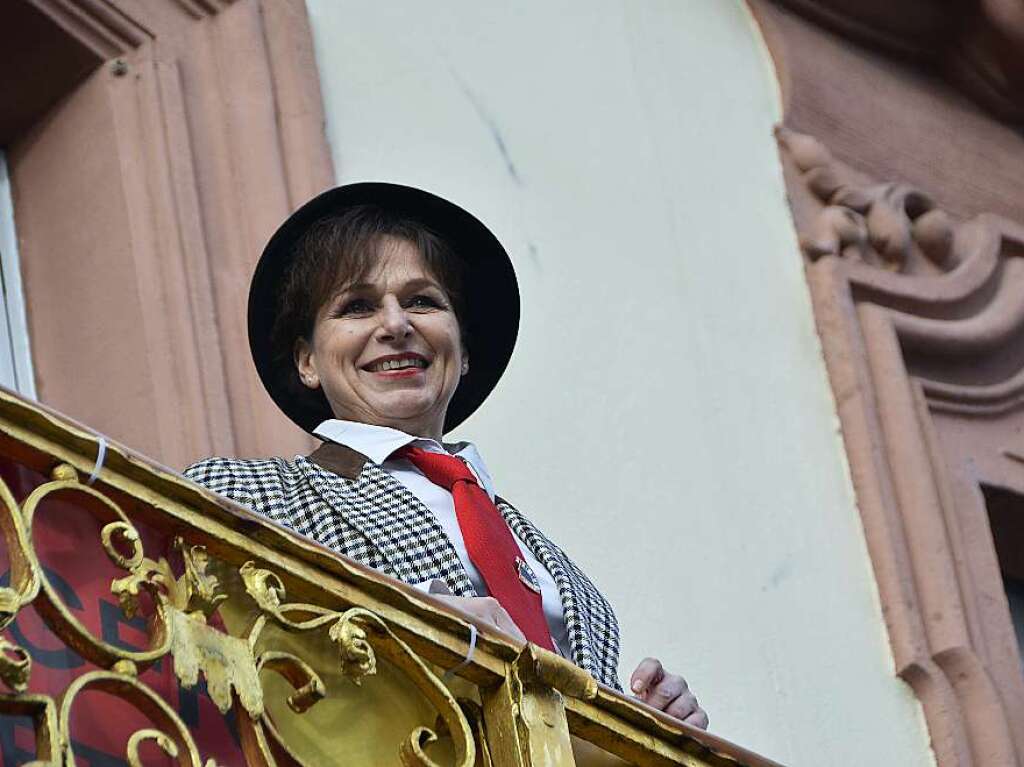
(377, 443)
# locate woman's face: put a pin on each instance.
(387, 351)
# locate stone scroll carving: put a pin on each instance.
(886, 224)
(920, 316)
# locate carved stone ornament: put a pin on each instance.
(890, 225)
(921, 317)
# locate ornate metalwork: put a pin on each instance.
(15, 663)
(223, 615)
(350, 631)
(118, 535)
(172, 736)
(179, 627)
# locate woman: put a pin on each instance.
(381, 317)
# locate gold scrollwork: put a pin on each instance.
(15, 663)
(179, 626)
(170, 735)
(350, 631)
(185, 604)
(198, 592)
(475, 715)
(117, 536)
(181, 605)
(195, 592)
(309, 687)
(43, 712)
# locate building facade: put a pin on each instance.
(765, 389)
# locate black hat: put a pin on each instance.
(490, 314)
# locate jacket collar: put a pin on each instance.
(389, 516)
(342, 460)
(379, 443)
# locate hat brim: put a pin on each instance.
(490, 314)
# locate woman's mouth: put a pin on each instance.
(395, 366)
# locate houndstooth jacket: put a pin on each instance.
(341, 499)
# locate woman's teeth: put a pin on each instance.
(410, 362)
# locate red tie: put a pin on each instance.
(489, 542)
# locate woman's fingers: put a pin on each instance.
(667, 692)
(500, 618)
(487, 610)
(682, 706)
(698, 718)
(647, 674)
(670, 691)
(506, 624)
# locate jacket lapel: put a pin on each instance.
(576, 624)
(395, 522)
(408, 537)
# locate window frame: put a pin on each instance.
(13, 320)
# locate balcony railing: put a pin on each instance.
(147, 620)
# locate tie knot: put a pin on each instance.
(440, 468)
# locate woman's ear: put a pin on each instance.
(303, 356)
(465, 363)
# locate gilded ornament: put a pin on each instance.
(263, 586)
(180, 626)
(357, 658)
(309, 687)
(123, 546)
(125, 667)
(350, 631)
(198, 591)
(557, 672)
(411, 751)
(15, 665)
(163, 742)
(169, 733)
(225, 661)
(64, 472)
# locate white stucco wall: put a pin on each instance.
(666, 416)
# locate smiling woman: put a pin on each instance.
(387, 351)
(380, 317)
(386, 346)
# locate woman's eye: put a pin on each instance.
(355, 306)
(424, 302)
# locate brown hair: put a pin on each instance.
(340, 250)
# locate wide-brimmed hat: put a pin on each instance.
(490, 313)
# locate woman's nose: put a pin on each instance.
(394, 320)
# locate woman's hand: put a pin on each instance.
(667, 692)
(486, 610)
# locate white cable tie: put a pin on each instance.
(101, 456)
(469, 655)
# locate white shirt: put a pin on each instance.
(377, 443)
